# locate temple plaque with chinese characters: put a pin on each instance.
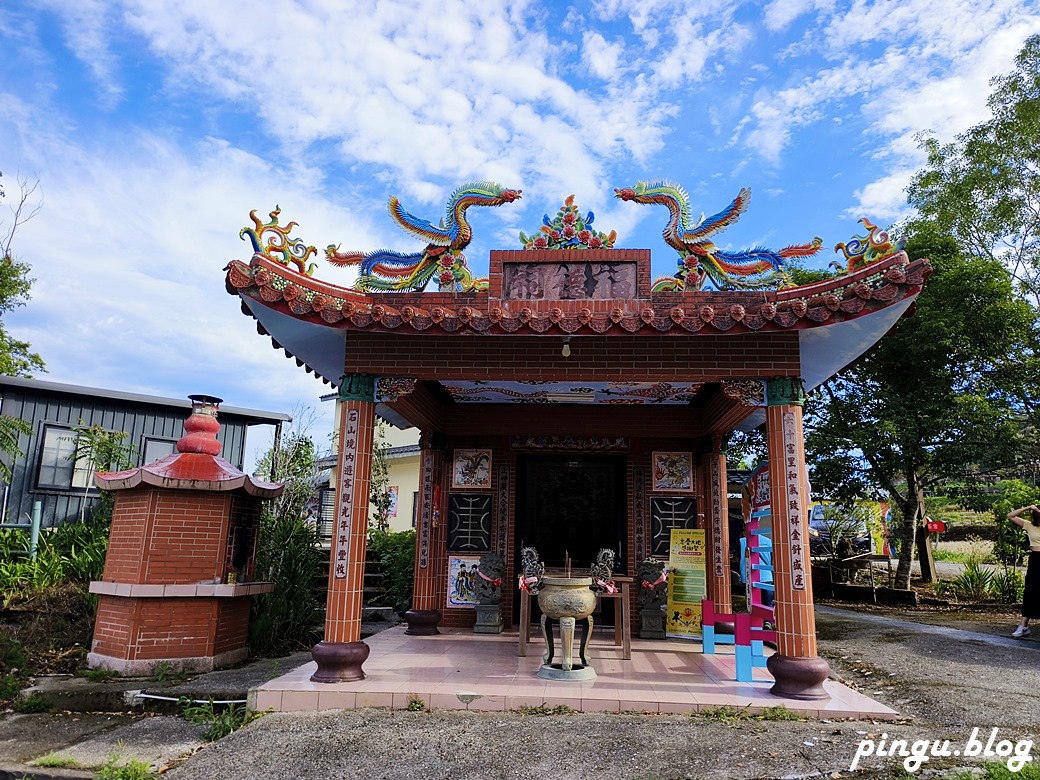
(582, 280)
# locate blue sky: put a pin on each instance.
(155, 126)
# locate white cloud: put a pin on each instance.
(883, 200)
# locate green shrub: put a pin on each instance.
(974, 582)
(1008, 586)
(73, 552)
(288, 618)
(1011, 544)
(396, 554)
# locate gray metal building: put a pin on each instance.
(45, 471)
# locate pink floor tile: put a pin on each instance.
(461, 670)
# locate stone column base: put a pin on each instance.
(422, 622)
(339, 661)
(798, 678)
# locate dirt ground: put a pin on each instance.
(948, 672)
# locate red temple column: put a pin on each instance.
(799, 672)
(716, 523)
(429, 585)
(341, 654)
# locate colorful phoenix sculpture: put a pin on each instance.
(700, 260)
(387, 271)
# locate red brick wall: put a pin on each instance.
(592, 358)
(167, 537)
(232, 625)
(131, 527)
(143, 629)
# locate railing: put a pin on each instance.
(33, 526)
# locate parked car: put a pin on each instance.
(826, 532)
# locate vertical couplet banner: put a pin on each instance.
(687, 582)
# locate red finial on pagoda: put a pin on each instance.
(201, 427)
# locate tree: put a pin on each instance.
(16, 357)
(936, 399)
(379, 497)
(984, 187)
(100, 450)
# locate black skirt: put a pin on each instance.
(1031, 597)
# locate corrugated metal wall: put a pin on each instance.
(141, 421)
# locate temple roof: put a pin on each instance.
(836, 320)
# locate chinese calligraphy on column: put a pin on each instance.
(348, 459)
(427, 510)
(717, 559)
(793, 496)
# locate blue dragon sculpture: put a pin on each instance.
(386, 271)
(700, 260)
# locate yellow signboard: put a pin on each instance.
(687, 583)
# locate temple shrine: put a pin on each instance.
(570, 402)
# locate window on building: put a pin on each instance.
(157, 449)
(59, 469)
(415, 509)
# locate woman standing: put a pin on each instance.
(1031, 597)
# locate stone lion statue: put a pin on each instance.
(488, 584)
(653, 584)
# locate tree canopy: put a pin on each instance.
(951, 393)
(984, 187)
(935, 400)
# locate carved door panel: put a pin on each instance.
(571, 505)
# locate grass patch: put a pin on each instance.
(118, 769)
(972, 549)
(779, 712)
(415, 704)
(723, 714)
(100, 675)
(55, 761)
(996, 771)
(220, 720)
(545, 709)
(31, 704)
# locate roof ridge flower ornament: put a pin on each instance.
(568, 230)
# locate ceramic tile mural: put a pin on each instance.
(673, 471)
(471, 469)
(462, 573)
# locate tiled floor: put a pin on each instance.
(461, 670)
